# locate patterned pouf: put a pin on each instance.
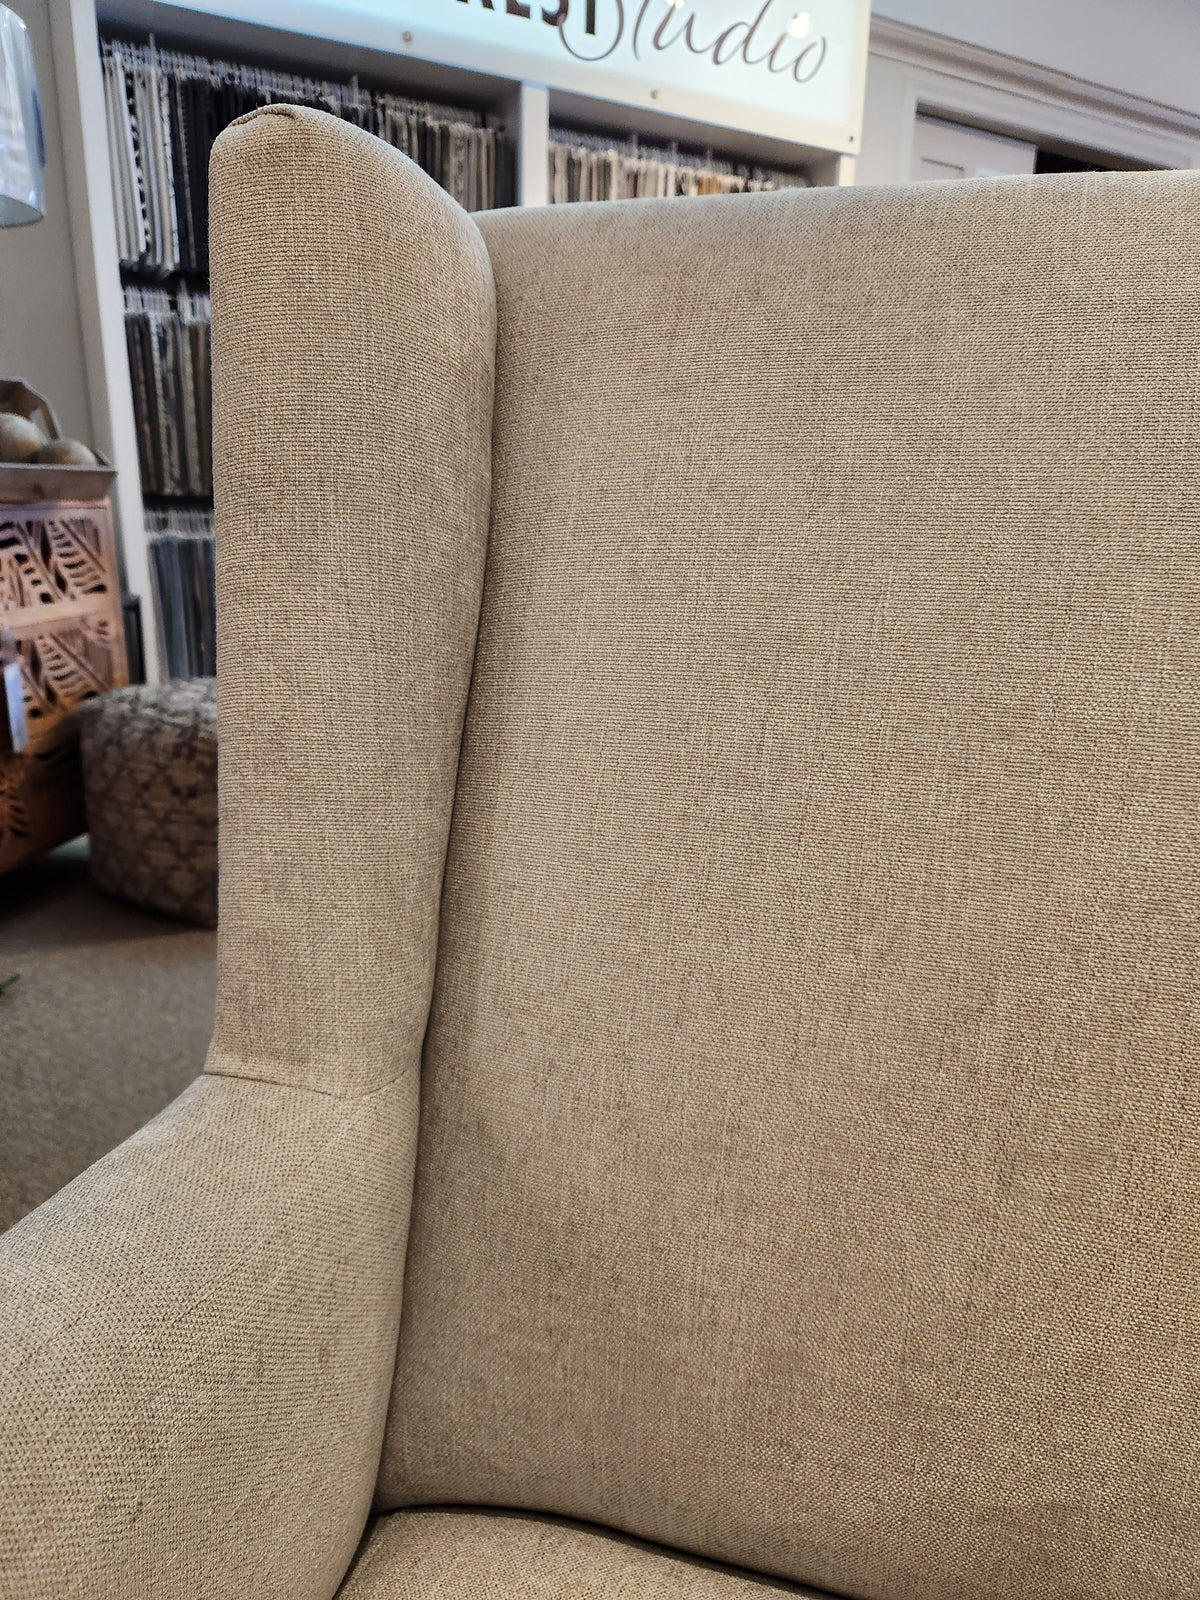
(150, 787)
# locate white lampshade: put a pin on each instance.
(22, 147)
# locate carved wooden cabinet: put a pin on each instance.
(60, 603)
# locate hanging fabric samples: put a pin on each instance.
(164, 109)
(590, 166)
(183, 574)
(169, 345)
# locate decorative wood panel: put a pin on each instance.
(60, 601)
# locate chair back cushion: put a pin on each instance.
(809, 1170)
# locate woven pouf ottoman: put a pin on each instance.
(150, 789)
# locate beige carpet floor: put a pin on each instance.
(109, 1020)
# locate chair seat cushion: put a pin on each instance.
(450, 1554)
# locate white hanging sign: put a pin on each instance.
(795, 58)
(791, 69)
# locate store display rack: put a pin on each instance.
(138, 212)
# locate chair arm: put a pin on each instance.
(197, 1337)
(196, 1342)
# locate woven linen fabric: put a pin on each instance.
(810, 1125)
(197, 1336)
(150, 786)
(195, 1348)
(353, 338)
(468, 1554)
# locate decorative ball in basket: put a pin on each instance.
(34, 452)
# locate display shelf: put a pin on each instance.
(261, 44)
(663, 127)
(338, 40)
(769, 69)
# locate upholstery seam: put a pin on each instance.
(310, 1088)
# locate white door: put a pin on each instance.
(949, 150)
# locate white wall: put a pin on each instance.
(41, 337)
(1149, 48)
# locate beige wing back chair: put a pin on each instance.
(705, 1095)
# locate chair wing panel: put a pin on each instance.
(353, 328)
(197, 1337)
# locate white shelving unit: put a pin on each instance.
(340, 39)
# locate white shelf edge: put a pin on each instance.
(101, 302)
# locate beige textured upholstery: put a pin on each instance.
(485, 1555)
(809, 1110)
(195, 1341)
(197, 1336)
(351, 447)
